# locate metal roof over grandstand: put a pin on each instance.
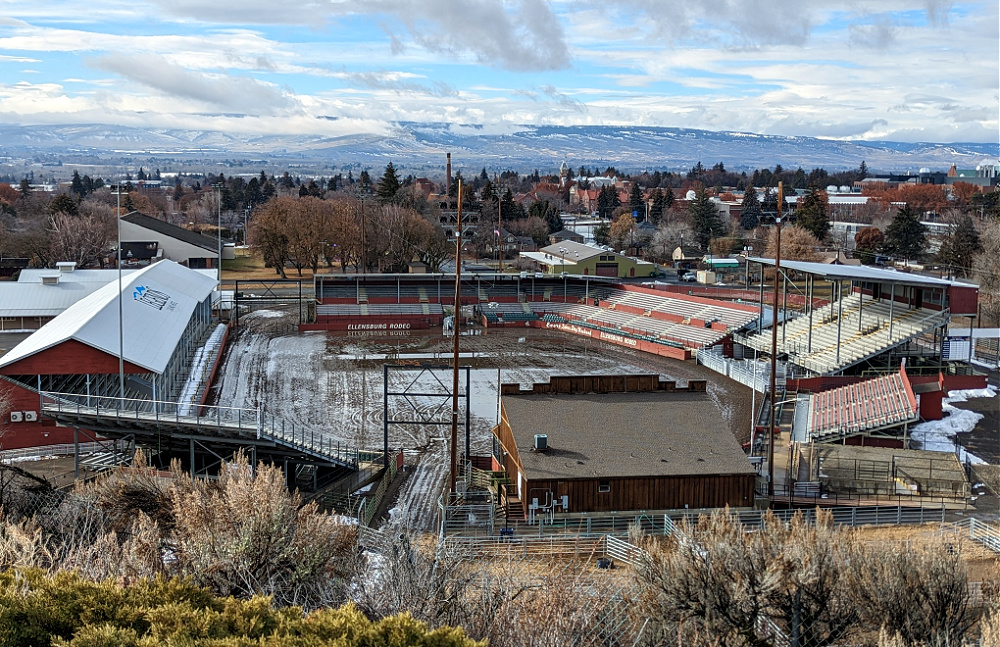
(157, 303)
(860, 273)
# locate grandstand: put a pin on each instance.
(880, 311)
(607, 309)
(862, 408)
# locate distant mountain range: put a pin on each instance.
(418, 146)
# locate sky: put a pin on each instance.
(903, 70)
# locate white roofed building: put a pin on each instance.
(39, 295)
(165, 314)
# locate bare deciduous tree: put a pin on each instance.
(82, 238)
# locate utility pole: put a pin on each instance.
(121, 319)
(453, 473)
(774, 349)
(218, 232)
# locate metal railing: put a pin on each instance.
(370, 505)
(231, 421)
(742, 370)
(67, 449)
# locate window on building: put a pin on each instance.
(604, 486)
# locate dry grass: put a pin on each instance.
(251, 267)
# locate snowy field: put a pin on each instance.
(939, 435)
(333, 384)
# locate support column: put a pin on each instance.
(784, 307)
(191, 449)
(861, 305)
(840, 314)
(76, 452)
(892, 303)
(810, 290)
(760, 305)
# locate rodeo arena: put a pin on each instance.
(578, 405)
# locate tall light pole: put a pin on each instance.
(121, 319)
(218, 190)
(774, 348)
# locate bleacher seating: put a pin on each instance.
(732, 318)
(636, 325)
(377, 309)
(861, 407)
(864, 333)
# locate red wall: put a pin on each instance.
(360, 322)
(963, 301)
(30, 434)
(69, 358)
(618, 340)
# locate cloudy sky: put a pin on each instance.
(908, 70)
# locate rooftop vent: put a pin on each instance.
(66, 266)
(50, 280)
(541, 442)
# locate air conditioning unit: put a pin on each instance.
(541, 442)
(16, 416)
(31, 416)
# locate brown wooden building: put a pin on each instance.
(617, 443)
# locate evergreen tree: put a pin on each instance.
(76, 186)
(960, 246)
(769, 206)
(668, 199)
(487, 194)
(811, 214)
(544, 210)
(63, 204)
(508, 208)
(750, 211)
(602, 233)
(658, 207)
(705, 219)
(905, 237)
(607, 201)
(24, 188)
(636, 205)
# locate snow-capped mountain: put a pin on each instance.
(527, 147)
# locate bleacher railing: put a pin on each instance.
(239, 421)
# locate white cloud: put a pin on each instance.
(832, 68)
(220, 90)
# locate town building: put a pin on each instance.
(174, 243)
(586, 260)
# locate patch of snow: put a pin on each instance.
(939, 435)
(268, 314)
(25, 459)
(196, 376)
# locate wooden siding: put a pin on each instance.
(29, 434)
(559, 384)
(69, 358)
(648, 493)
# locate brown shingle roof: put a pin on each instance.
(623, 435)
